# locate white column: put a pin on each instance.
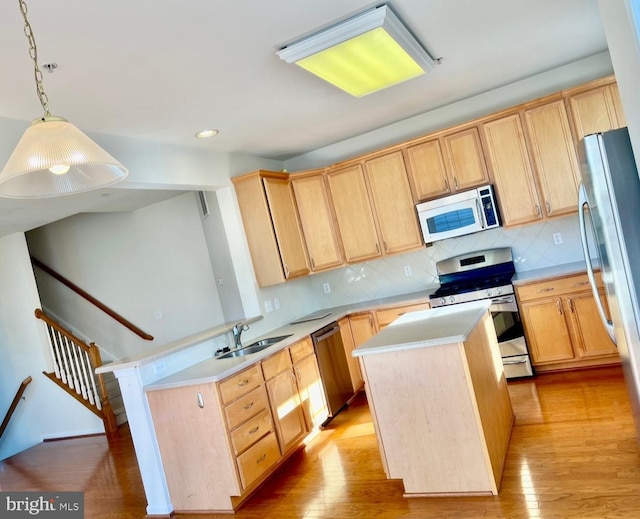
(144, 441)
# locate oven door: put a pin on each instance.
(510, 333)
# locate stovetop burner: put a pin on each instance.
(478, 275)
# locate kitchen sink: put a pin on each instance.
(254, 347)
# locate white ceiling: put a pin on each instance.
(163, 69)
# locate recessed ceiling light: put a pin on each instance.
(206, 134)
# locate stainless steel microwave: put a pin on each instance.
(459, 214)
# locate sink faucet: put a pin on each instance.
(237, 332)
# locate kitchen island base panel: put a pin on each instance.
(443, 414)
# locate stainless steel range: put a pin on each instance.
(487, 274)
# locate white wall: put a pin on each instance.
(151, 266)
(46, 411)
(621, 22)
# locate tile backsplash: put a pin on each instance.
(532, 247)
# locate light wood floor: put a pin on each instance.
(573, 454)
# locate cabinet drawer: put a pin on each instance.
(388, 315)
(276, 364)
(258, 459)
(301, 349)
(246, 407)
(555, 287)
(240, 384)
(249, 433)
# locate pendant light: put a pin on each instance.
(54, 157)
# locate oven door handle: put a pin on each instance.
(503, 299)
(512, 362)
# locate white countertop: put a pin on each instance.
(437, 326)
(214, 369)
(564, 269)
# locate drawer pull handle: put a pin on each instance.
(548, 289)
(248, 406)
(581, 284)
(243, 383)
(262, 458)
(254, 430)
(200, 400)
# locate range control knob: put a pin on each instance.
(489, 293)
(443, 301)
(498, 291)
(452, 299)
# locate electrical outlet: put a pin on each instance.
(268, 306)
(159, 367)
(557, 238)
(326, 288)
(407, 270)
(276, 303)
(157, 315)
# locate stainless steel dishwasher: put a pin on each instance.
(334, 370)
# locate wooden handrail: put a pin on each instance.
(53, 324)
(14, 404)
(91, 299)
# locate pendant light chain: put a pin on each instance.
(33, 52)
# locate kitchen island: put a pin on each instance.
(438, 396)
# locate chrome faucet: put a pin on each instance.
(237, 332)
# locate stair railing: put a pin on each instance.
(74, 365)
(72, 286)
(14, 404)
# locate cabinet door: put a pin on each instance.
(512, 171)
(258, 228)
(354, 214)
(554, 156)
(311, 392)
(393, 203)
(426, 170)
(354, 367)
(288, 419)
(546, 330)
(592, 339)
(595, 110)
(363, 327)
(466, 159)
(287, 227)
(317, 221)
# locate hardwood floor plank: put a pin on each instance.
(573, 454)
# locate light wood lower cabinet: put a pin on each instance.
(286, 409)
(346, 333)
(219, 441)
(310, 389)
(562, 325)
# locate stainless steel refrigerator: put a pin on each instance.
(609, 210)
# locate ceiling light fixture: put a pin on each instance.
(54, 157)
(206, 134)
(363, 54)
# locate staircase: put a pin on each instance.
(75, 363)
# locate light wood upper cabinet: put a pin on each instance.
(512, 170)
(596, 110)
(316, 218)
(393, 203)
(466, 159)
(354, 213)
(272, 227)
(554, 157)
(443, 165)
(426, 169)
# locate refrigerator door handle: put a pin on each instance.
(582, 202)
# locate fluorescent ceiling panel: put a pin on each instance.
(363, 54)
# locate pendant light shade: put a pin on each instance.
(55, 158)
